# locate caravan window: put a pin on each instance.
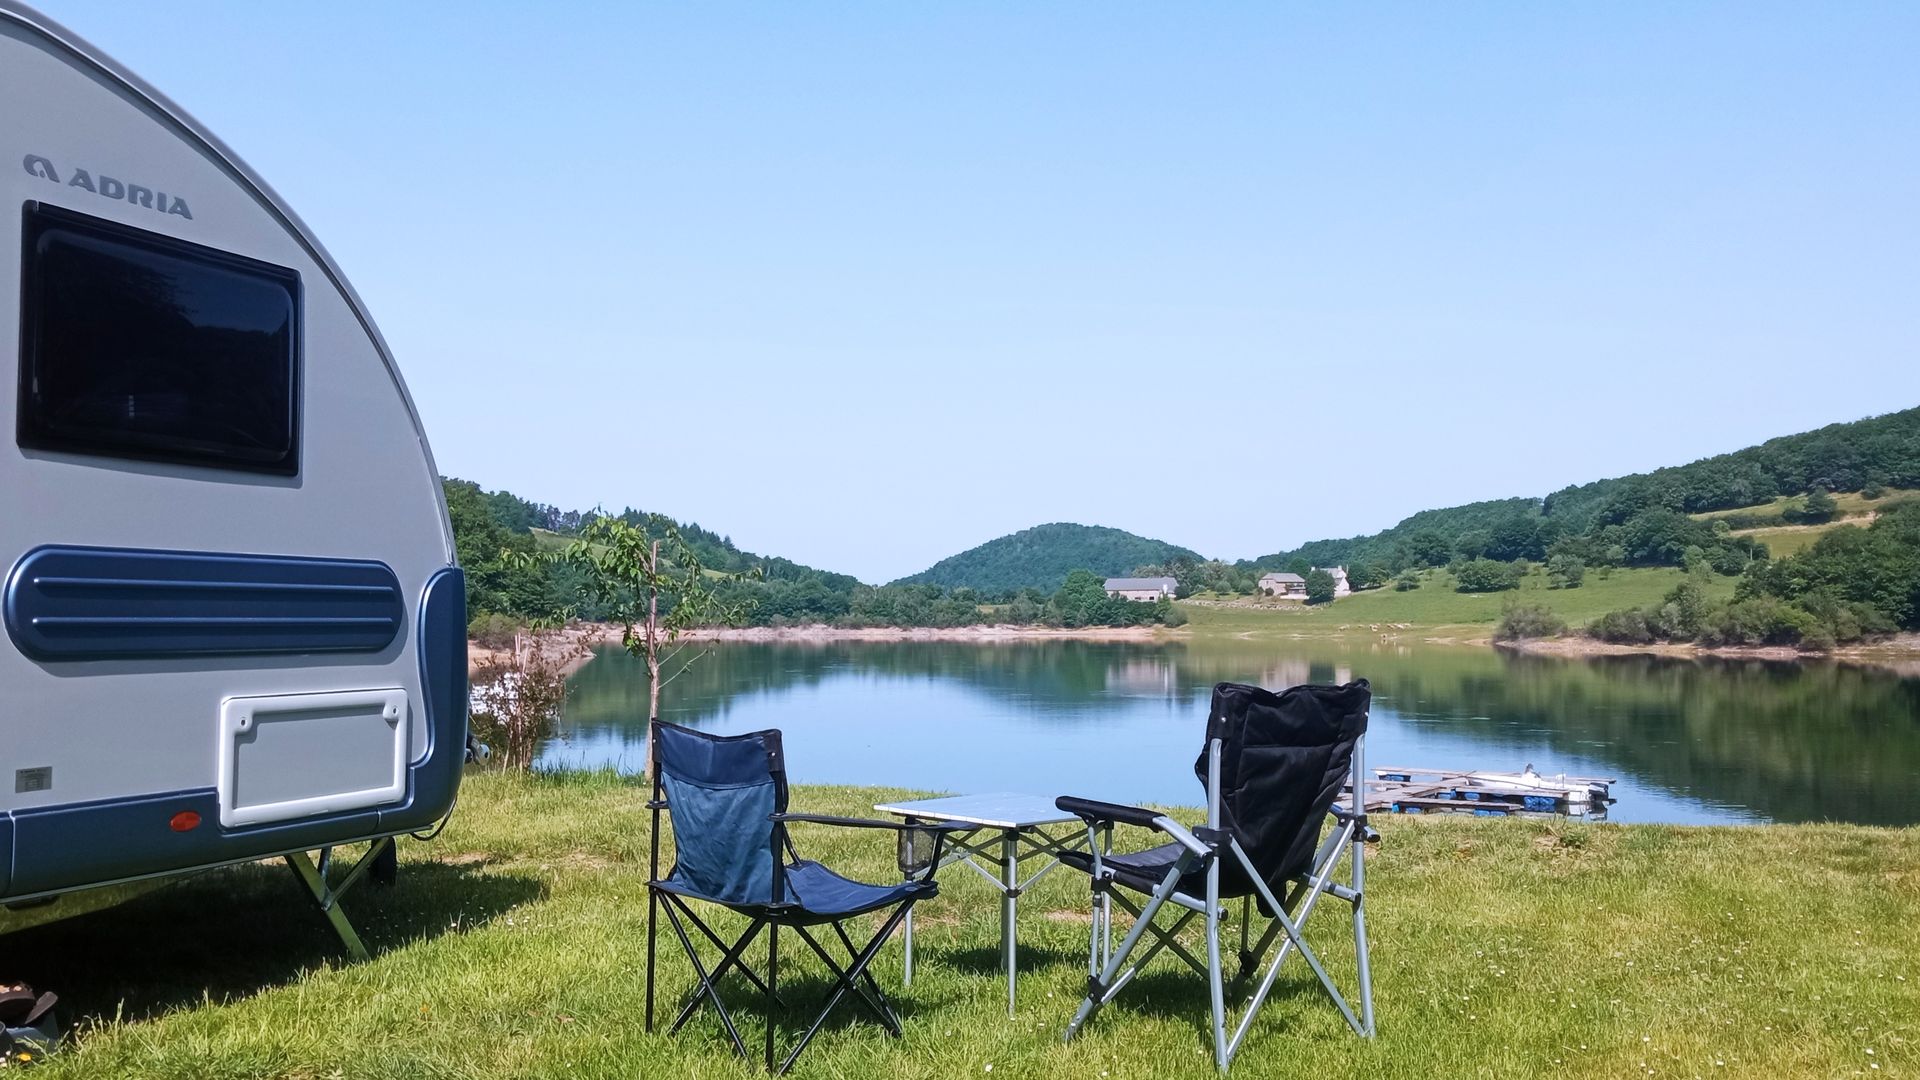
(138, 345)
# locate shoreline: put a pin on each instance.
(1899, 654)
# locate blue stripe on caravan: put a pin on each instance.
(61, 847)
(81, 603)
(79, 844)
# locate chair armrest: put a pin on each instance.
(1092, 810)
(870, 823)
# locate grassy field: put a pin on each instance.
(514, 946)
(1435, 604)
(1846, 504)
(1851, 508)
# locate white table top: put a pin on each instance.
(1000, 810)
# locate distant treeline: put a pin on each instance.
(1640, 520)
(492, 527)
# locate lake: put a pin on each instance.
(1690, 741)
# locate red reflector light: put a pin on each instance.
(185, 820)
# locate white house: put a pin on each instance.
(1340, 586)
(1284, 585)
(1146, 589)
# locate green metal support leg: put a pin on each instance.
(327, 896)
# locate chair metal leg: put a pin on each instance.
(773, 983)
(847, 981)
(653, 906)
(1109, 981)
(700, 971)
(1360, 935)
(730, 957)
(1215, 984)
(327, 895)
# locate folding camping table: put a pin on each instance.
(1009, 829)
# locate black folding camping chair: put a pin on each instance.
(726, 798)
(1273, 765)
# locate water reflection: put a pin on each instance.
(1690, 741)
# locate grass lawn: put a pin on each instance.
(514, 946)
(1435, 604)
(1845, 503)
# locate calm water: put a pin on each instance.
(1690, 742)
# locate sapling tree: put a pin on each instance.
(647, 580)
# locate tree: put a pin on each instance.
(1370, 575)
(1521, 621)
(1320, 587)
(1486, 575)
(1819, 508)
(650, 582)
(1428, 548)
(1566, 571)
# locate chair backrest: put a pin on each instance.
(721, 792)
(1284, 758)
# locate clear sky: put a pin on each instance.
(866, 284)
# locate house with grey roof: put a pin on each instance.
(1283, 585)
(1147, 589)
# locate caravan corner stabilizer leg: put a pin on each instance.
(327, 896)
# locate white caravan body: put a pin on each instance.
(234, 626)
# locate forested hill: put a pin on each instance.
(1041, 557)
(1640, 519)
(487, 524)
(492, 528)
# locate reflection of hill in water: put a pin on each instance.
(1793, 743)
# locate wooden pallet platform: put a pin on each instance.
(1403, 790)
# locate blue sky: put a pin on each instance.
(867, 284)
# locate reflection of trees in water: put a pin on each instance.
(1795, 743)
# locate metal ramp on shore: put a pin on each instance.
(1403, 790)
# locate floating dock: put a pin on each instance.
(1400, 790)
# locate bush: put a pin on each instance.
(1486, 575)
(492, 631)
(1761, 620)
(517, 698)
(1521, 621)
(1873, 489)
(1408, 581)
(1627, 627)
(1320, 586)
(1681, 614)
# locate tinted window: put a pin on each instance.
(139, 345)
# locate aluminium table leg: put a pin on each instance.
(1009, 904)
(906, 942)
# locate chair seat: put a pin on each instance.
(818, 895)
(1143, 871)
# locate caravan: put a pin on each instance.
(234, 628)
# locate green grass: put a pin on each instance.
(1846, 504)
(514, 945)
(1435, 604)
(1786, 540)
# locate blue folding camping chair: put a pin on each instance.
(726, 798)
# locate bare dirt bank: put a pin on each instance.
(594, 634)
(1899, 654)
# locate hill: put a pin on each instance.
(1041, 557)
(1633, 517)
